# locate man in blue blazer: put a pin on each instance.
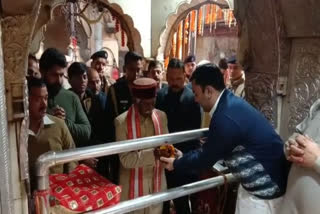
(240, 135)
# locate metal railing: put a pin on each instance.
(156, 198)
(49, 159)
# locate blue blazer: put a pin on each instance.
(252, 150)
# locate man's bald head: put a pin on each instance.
(94, 83)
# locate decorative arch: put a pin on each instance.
(133, 35)
(231, 4)
(173, 21)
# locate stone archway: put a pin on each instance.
(133, 35)
(134, 43)
(174, 19)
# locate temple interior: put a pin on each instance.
(277, 43)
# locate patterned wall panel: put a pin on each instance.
(260, 92)
(304, 79)
(259, 52)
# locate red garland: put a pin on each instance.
(41, 199)
(117, 25)
(123, 38)
(74, 42)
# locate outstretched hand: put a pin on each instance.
(168, 163)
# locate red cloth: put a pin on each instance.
(207, 202)
(115, 74)
(210, 201)
(83, 190)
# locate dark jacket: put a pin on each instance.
(119, 100)
(95, 108)
(182, 111)
(97, 114)
(252, 150)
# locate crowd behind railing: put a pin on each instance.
(98, 109)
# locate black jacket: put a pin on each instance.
(182, 111)
(119, 100)
(95, 107)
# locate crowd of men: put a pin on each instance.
(97, 109)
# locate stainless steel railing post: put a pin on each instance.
(49, 159)
(145, 201)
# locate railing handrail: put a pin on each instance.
(49, 159)
(145, 201)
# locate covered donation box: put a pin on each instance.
(82, 190)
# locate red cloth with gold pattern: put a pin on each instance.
(83, 190)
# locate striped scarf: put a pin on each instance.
(136, 174)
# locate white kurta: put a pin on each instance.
(303, 188)
(303, 192)
(250, 204)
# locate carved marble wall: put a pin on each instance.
(303, 36)
(281, 58)
(260, 92)
(5, 169)
(304, 81)
(258, 52)
(17, 31)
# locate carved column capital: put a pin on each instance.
(16, 33)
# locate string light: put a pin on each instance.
(207, 15)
